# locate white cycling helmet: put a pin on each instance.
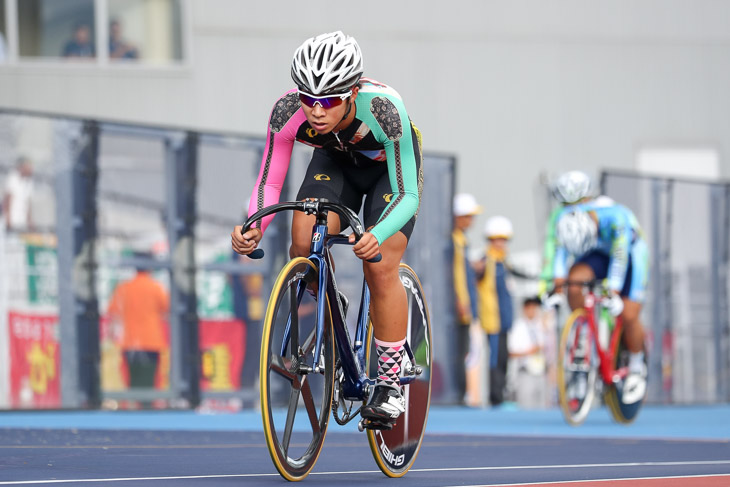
(571, 187)
(327, 64)
(498, 227)
(577, 232)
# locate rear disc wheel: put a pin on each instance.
(395, 450)
(620, 411)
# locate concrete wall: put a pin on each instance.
(518, 89)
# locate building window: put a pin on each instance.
(146, 31)
(49, 28)
(688, 162)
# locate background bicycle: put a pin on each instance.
(592, 359)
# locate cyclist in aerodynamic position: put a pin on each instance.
(365, 146)
(606, 242)
(571, 188)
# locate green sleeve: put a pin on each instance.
(387, 118)
(546, 276)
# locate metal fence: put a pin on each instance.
(106, 190)
(687, 223)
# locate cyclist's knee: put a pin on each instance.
(298, 250)
(380, 275)
(300, 245)
(631, 311)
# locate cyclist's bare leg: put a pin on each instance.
(580, 272)
(388, 305)
(389, 314)
(633, 329)
(301, 232)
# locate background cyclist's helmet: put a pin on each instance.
(577, 232)
(498, 227)
(327, 64)
(571, 187)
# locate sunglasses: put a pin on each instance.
(327, 101)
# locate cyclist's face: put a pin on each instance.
(324, 120)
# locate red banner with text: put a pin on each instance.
(222, 347)
(34, 360)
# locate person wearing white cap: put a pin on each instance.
(465, 207)
(495, 310)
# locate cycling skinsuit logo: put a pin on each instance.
(311, 133)
(387, 197)
(321, 177)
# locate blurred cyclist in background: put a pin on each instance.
(606, 242)
(570, 188)
(365, 147)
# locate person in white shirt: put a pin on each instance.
(526, 342)
(17, 197)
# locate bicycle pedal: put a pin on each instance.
(374, 425)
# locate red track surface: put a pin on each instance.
(699, 481)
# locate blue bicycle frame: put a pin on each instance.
(356, 382)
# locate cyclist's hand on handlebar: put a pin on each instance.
(246, 243)
(367, 248)
(614, 304)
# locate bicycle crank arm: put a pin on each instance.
(373, 425)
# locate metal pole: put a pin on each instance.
(725, 318)
(656, 274)
(661, 282)
(181, 179)
(77, 149)
(719, 261)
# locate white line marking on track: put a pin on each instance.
(350, 472)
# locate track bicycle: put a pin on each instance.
(592, 348)
(310, 366)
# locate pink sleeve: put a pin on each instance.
(286, 118)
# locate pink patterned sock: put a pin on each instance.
(390, 356)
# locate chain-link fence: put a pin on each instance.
(687, 224)
(109, 199)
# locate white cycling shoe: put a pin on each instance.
(634, 386)
(385, 405)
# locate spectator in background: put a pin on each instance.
(140, 307)
(18, 195)
(119, 48)
(495, 302)
(526, 345)
(465, 208)
(81, 45)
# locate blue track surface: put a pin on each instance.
(462, 447)
(668, 422)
